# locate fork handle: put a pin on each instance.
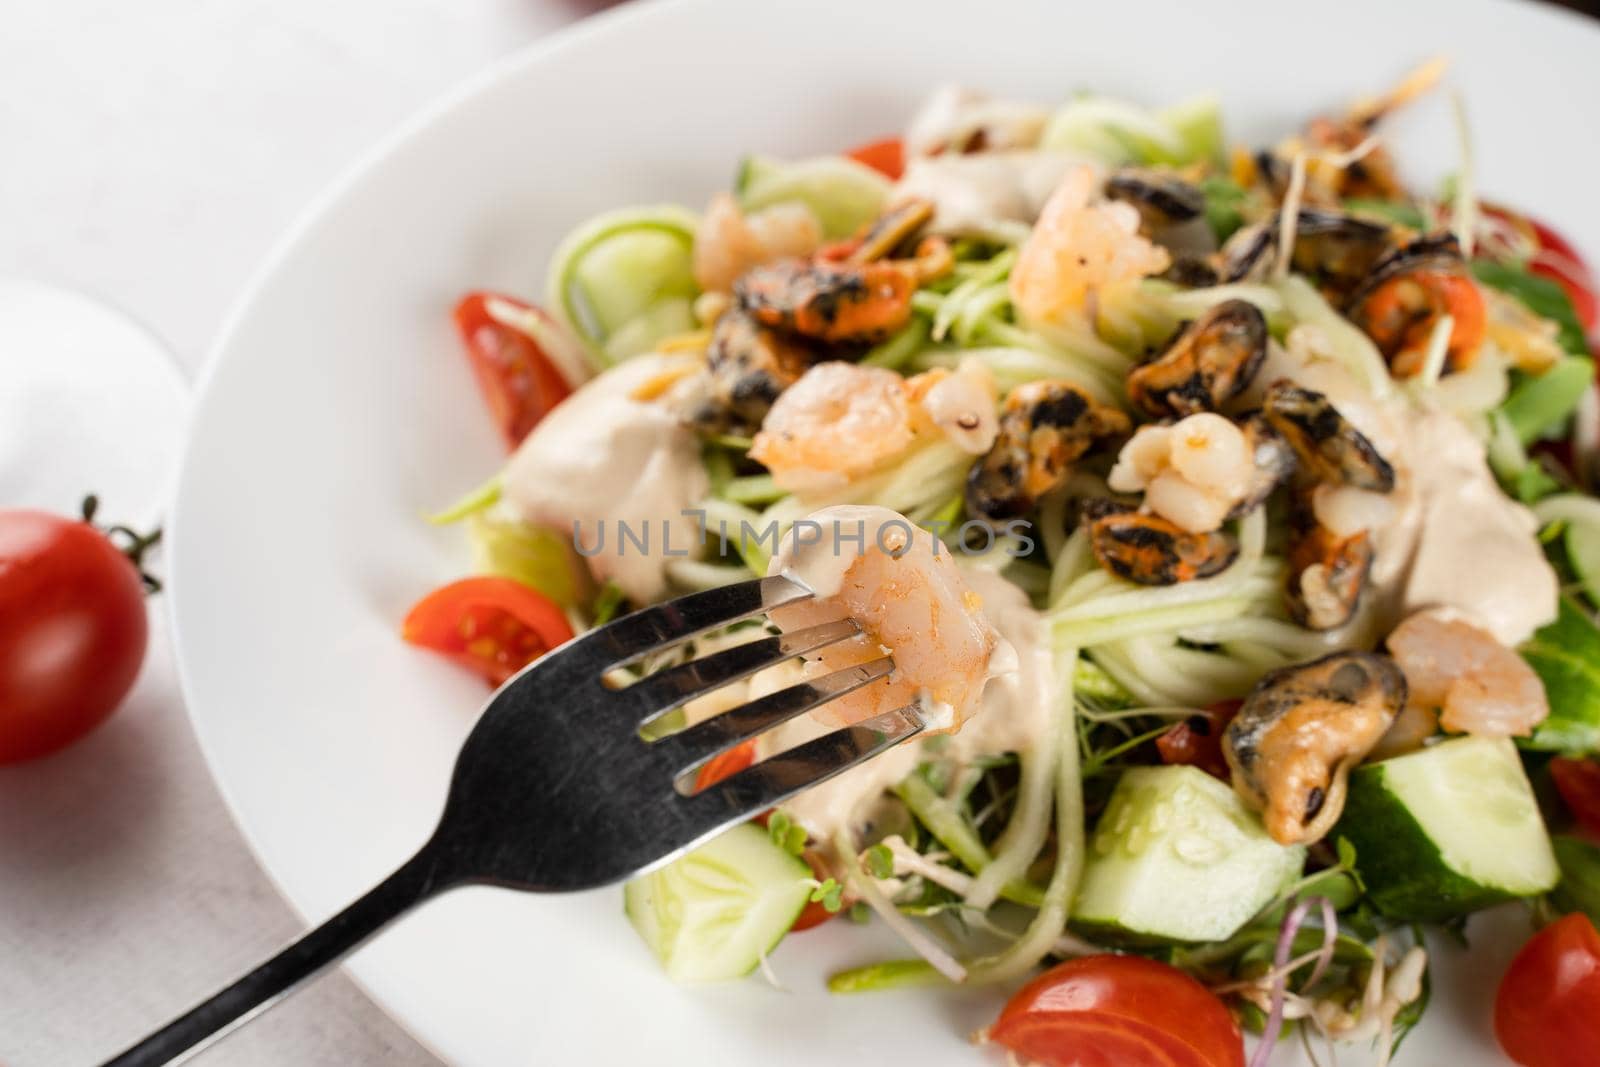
(418, 879)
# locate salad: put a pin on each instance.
(1227, 511)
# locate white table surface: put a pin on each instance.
(150, 154)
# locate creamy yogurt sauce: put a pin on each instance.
(987, 190)
(605, 455)
(1448, 539)
(954, 116)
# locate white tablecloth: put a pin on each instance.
(150, 153)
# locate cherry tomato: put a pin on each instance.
(814, 914)
(1197, 740)
(1578, 781)
(1561, 263)
(1118, 1011)
(1557, 260)
(725, 765)
(518, 380)
(495, 626)
(887, 157)
(72, 631)
(1547, 1013)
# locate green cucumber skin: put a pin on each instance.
(1540, 404)
(1114, 900)
(1405, 874)
(1566, 656)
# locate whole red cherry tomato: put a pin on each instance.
(72, 630)
(1547, 1013)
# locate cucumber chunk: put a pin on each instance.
(1447, 830)
(1197, 122)
(626, 274)
(1116, 132)
(713, 914)
(536, 556)
(1583, 552)
(1540, 404)
(844, 195)
(1178, 857)
(1566, 656)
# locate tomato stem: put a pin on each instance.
(135, 544)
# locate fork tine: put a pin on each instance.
(654, 628)
(687, 750)
(779, 777)
(663, 691)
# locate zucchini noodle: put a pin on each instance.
(1050, 921)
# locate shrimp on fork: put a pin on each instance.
(904, 589)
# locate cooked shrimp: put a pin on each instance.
(728, 243)
(837, 423)
(1481, 686)
(904, 589)
(961, 403)
(1193, 473)
(1411, 729)
(1078, 247)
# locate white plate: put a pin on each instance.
(337, 410)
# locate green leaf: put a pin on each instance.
(1566, 656)
(879, 861)
(830, 894)
(1579, 889)
(1540, 404)
(1224, 205)
(484, 496)
(606, 603)
(1400, 212)
(891, 974)
(1541, 295)
(786, 833)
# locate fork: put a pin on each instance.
(556, 788)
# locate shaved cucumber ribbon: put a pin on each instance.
(625, 279)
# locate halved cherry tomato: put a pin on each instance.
(814, 914)
(494, 626)
(1197, 740)
(1578, 782)
(725, 765)
(1557, 260)
(1547, 1013)
(1118, 1011)
(887, 157)
(1561, 263)
(518, 380)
